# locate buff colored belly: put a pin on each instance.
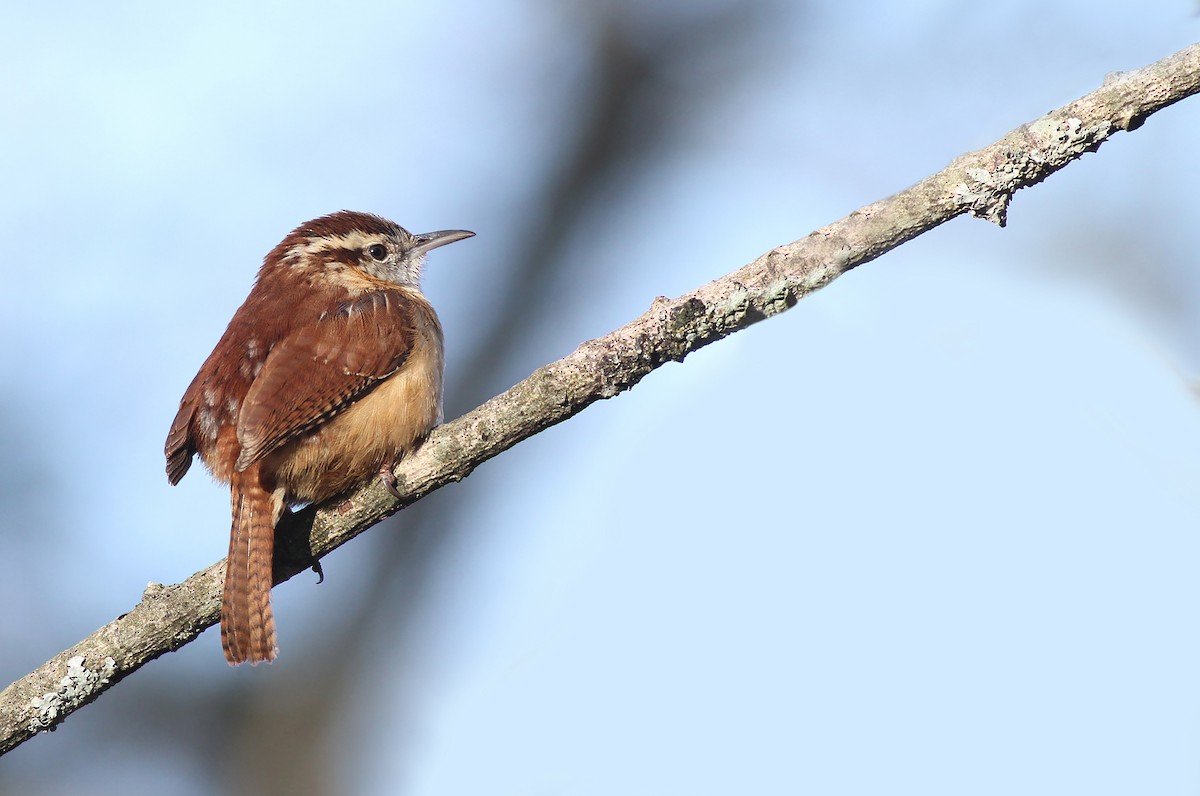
(375, 430)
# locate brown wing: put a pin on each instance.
(321, 369)
(179, 448)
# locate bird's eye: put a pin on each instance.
(377, 251)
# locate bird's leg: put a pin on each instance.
(387, 477)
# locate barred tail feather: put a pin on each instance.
(247, 624)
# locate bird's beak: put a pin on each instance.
(431, 240)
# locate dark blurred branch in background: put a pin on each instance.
(648, 70)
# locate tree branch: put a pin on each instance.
(981, 183)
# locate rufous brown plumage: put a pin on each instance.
(327, 374)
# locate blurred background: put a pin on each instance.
(933, 531)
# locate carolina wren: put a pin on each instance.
(328, 373)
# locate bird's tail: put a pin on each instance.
(247, 624)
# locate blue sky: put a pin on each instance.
(931, 531)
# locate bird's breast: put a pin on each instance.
(384, 423)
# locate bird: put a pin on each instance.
(328, 373)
